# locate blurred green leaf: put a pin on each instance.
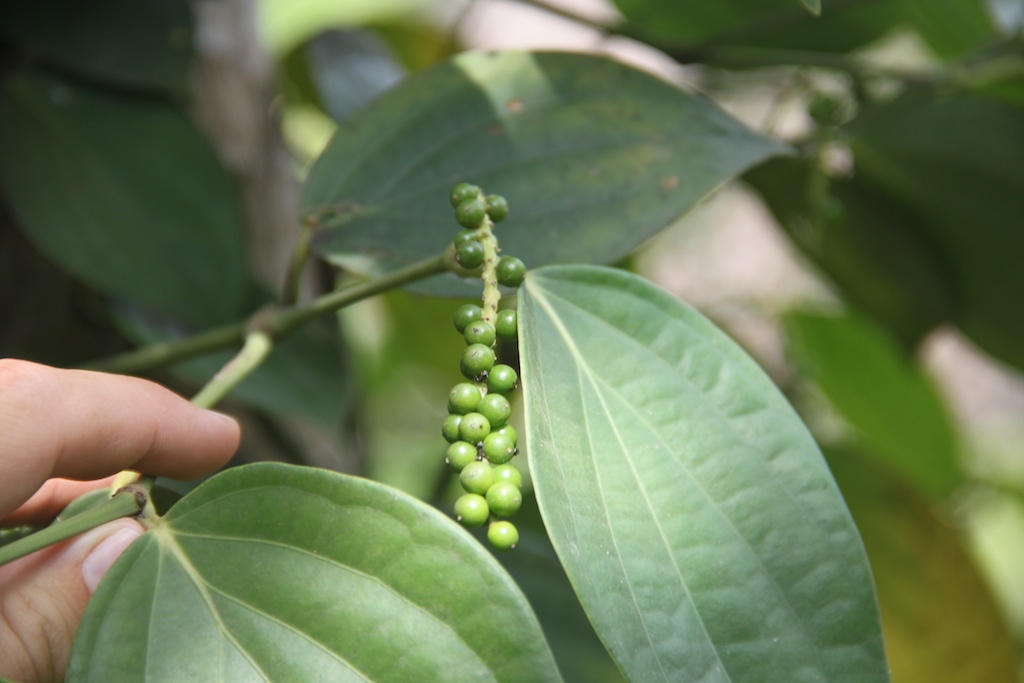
(875, 386)
(593, 156)
(842, 25)
(689, 505)
(276, 572)
(695, 31)
(125, 193)
(813, 5)
(287, 24)
(940, 620)
(951, 29)
(144, 44)
(956, 161)
(875, 248)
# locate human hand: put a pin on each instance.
(61, 425)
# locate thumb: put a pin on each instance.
(45, 595)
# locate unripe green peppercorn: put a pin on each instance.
(510, 432)
(495, 408)
(508, 473)
(502, 535)
(476, 360)
(501, 379)
(497, 207)
(506, 325)
(471, 509)
(462, 192)
(480, 333)
(477, 477)
(466, 236)
(460, 454)
(463, 398)
(504, 498)
(470, 213)
(510, 271)
(466, 315)
(474, 427)
(469, 254)
(450, 427)
(498, 448)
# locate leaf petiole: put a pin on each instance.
(128, 502)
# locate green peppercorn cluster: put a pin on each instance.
(481, 443)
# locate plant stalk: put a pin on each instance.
(127, 502)
(277, 323)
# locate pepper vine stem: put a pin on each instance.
(127, 502)
(277, 322)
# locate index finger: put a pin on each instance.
(78, 424)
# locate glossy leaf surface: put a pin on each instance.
(95, 180)
(593, 156)
(691, 508)
(274, 572)
(892, 406)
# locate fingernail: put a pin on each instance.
(102, 556)
(221, 417)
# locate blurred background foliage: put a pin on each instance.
(151, 154)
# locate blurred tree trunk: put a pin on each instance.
(233, 90)
(232, 100)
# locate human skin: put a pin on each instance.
(63, 433)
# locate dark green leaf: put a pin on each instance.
(955, 161)
(941, 621)
(875, 248)
(842, 25)
(594, 157)
(950, 28)
(144, 44)
(874, 385)
(124, 193)
(274, 572)
(690, 507)
(697, 30)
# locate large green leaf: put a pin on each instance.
(125, 193)
(274, 572)
(940, 619)
(955, 161)
(144, 44)
(875, 386)
(691, 508)
(593, 156)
